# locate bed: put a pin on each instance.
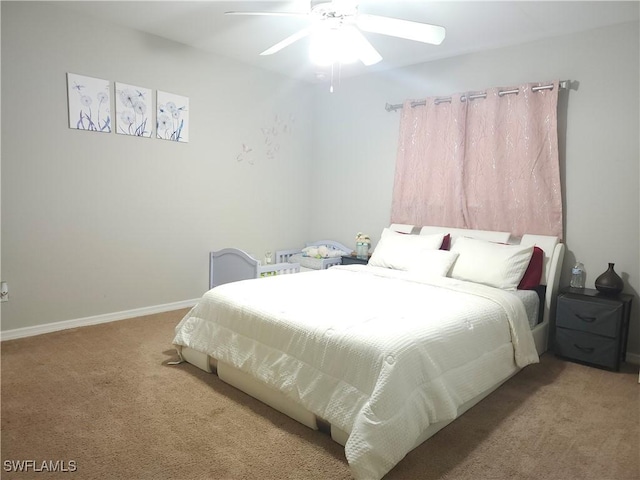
(333, 251)
(232, 264)
(326, 347)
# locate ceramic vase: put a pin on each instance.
(609, 282)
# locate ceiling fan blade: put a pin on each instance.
(288, 41)
(366, 53)
(420, 32)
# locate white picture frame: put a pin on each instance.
(133, 110)
(172, 117)
(89, 102)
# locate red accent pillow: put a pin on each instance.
(533, 274)
(446, 242)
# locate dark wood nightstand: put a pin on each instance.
(353, 260)
(591, 327)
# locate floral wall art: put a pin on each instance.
(172, 120)
(89, 103)
(133, 110)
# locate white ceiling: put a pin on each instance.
(471, 26)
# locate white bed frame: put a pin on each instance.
(283, 256)
(232, 264)
(553, 256)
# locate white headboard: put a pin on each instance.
(501, 237)
(552, 248)
(498, 237)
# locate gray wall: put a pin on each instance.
(99, 223)
(356, 139)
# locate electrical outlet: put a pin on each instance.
(4, 292)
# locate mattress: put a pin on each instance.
(406, 354)
(531, 302)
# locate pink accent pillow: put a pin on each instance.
(533, 274)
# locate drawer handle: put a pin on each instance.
(586, 319)
(584, 349)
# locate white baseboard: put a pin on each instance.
(83, 322)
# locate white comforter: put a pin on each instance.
(377, 353)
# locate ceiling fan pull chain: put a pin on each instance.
(331, 87)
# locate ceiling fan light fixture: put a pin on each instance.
(333, 45)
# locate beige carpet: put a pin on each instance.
(104, 397)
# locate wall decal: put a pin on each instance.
(172, 120)
(89, 103)
(245, 154)
(273, 136)
(133, 110)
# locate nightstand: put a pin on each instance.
(591, 327)
(353, 260)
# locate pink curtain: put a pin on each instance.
(488, 163)
(428, 181)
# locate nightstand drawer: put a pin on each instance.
(601, 318)
(585, 347)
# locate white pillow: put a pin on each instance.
(493, 264)
(433, 263)
(400, 251)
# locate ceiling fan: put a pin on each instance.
(336, 32)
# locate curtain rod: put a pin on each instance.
(563, 84)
